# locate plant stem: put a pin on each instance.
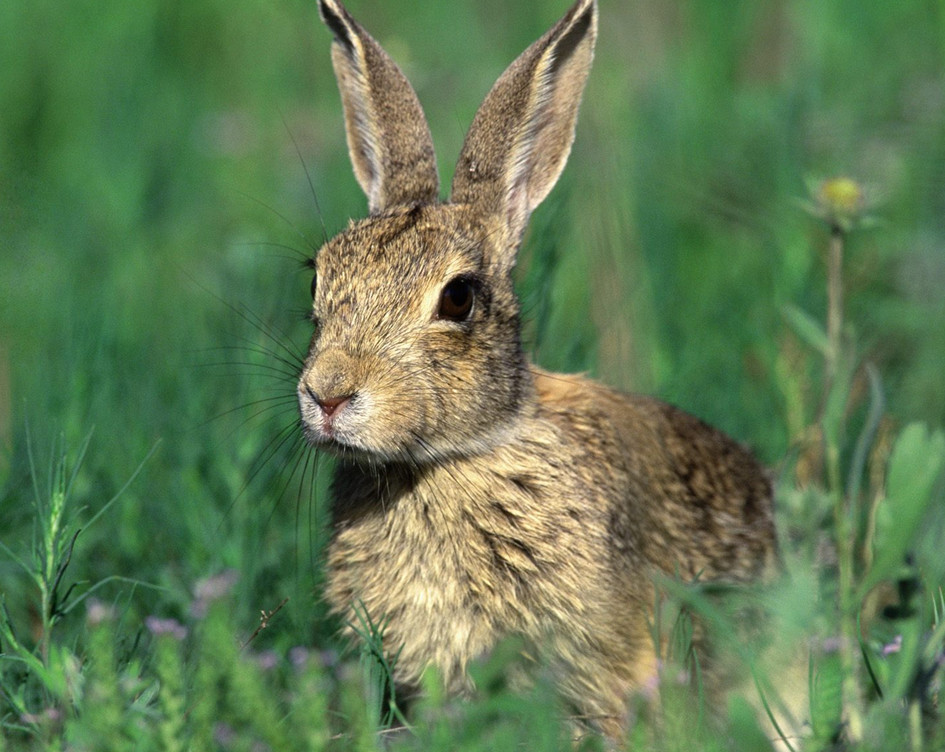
(848, 625)
(915, 725)
(845, 521)
(834, 301)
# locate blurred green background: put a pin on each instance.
(160, 163)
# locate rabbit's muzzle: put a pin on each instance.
(328, 399)
(365, 406)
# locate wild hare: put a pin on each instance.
(476, 495)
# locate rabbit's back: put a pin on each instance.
(683, 496)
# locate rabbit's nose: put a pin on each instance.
(331, 405)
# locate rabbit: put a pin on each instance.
(475, 495)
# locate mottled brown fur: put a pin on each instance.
(477, 496)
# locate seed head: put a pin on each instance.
(840, 201)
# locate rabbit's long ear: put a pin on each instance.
(521, 136)
(388, 136)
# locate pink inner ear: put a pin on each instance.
(536, 159)
(516, 213)
(388, 137)
(521, 136)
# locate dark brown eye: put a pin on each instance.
(456, 301)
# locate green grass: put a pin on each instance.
(154, 213)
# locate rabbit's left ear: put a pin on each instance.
(521, 136)
(388, 136)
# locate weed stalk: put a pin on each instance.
(839, 203)
(845, 515)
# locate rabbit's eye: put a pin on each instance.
(456, 301)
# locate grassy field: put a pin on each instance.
(165, 169)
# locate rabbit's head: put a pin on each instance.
(416, 353)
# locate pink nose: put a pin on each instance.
(331, 405)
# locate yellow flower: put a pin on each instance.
(841, 196)
(839, 201)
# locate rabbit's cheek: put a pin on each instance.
(390, 423)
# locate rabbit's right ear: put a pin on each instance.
(521, 136)
(388, 136)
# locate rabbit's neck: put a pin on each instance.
(507, 478)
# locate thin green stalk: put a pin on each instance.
(845, 520)
(915, 726)
(848, 631)
(834, 302)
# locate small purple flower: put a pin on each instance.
(893, 647)
(298, 657)
(224, 735)
(329, 658)
(831, 645)
(267, 660)
(47, 715)
(98, 613)
(211, 589)
(170, 627)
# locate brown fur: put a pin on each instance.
(476, 495)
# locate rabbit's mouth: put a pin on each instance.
(338, 426)
(326, 421)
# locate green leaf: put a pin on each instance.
(807, 328)
(64, 674)
(914, 466)
(905, 663)
(826, 696)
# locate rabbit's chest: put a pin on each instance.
(445, 585)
